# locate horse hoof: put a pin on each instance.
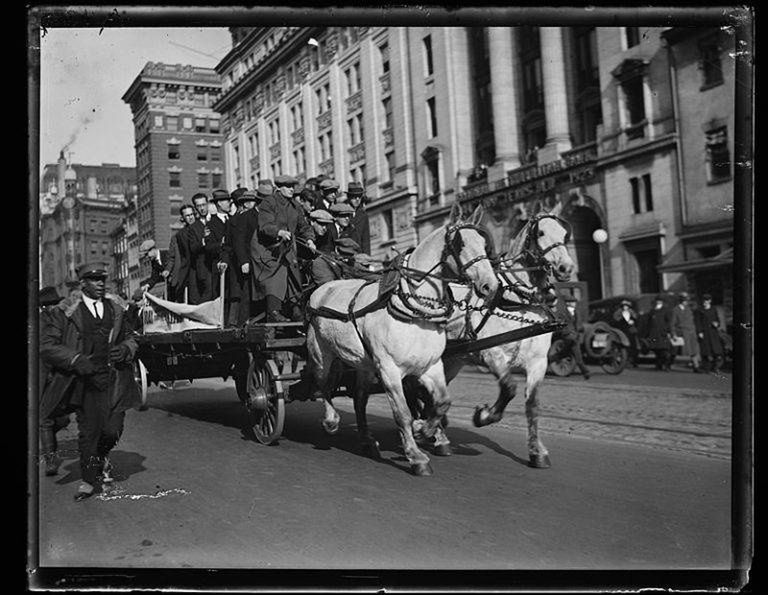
(443, 450)
(331, 427)
(539, 461)
(478, 418)
(371, 450)
(421, 469)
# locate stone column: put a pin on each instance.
(504, 98)
(555, 99)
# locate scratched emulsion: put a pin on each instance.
(118, 494)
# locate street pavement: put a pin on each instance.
(640, 479)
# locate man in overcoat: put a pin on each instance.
(708, 329)
(572, 333)
(178, 264)
(342, 227)
(90, 345)
(191, 246)
(237, 242)
(48, 297)
(656, 332)
(684, 326)
(360, 223)
(273, 246)
(329, 191)
(149, 253)
(213, 237)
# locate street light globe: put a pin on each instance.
(600, 236)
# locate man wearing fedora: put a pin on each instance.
(360, 223)
(708, 330)
(48, 297)
(273, 246)
(206, 241)
(179, 265)
(90, 345)
(684, 327)
(572, 333)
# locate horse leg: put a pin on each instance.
(433, 381)
(486, 415)
(538, 455)
(392, 384)
(319, 363)
(368, 444)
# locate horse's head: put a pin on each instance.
(468, 249)
(551, 235)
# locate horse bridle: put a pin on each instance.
(454, 244)
(535, 250)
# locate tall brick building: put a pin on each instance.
(178, 145)
(520, 118)
(80, 206)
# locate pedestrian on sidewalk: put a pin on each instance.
(573, 333)
(657, 332)
(625, 319)
(708, 329)
(684, 327)
(89, 344)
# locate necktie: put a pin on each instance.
(97, 310)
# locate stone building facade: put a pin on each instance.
(178, 145)
(518, 118)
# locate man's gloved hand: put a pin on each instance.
(245, 268)
(119, 353)
(284, 234)
(84, 366)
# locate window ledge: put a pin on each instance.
(386, 185)
(388, 243)
(711, 85)
(719, 181)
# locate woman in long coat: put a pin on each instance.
(684, 326)
(273, 246)
(708, 329)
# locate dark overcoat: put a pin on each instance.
(362, 229)
(191, 246)
(708, 323)
(61, 341)
(270, 257)
(236, 252)
(657, 327)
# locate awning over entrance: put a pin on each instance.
(723, 259)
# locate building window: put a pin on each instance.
(711, 66)
(632, 36)
(431, 118)
(213, 126)
(187, 123)
(297, 117)
(274, 132)
(530, 60)
(202, 180)
(158, 121)
(175, 180)
(173, 153)
(172, 123)
(215, 153)
(634, 106)
(216, 180)
(587, 70)
(641, 189)
(276, 169)
(384, 57)
(390, 157)
(387, 105)
(428, 65)
(718, 155)
(298, 161)
(202, 155)
(433, 177)
(388, 226)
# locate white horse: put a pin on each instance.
(538, 250)
(400, 335)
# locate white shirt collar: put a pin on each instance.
(222, 216)
(90, 303)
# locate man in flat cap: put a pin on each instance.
(48, 297)
(236, 253)
(273, 246)
(90, 345)
(360, 223)
(322, 269)
(342, 227)
(329, 191)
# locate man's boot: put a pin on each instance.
(275, 316)
(48, 450)
(584, 372)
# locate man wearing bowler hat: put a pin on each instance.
(90, 345)
(273, 246)
(360, 223)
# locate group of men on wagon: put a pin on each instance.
(265, 241)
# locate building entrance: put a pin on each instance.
(584, 221)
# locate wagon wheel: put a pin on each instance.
(266, 402)
(140, 375)
(562, 363)
(615, 360)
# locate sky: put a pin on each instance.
(84, 74)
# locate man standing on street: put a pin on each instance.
(657, 331)
(90, 345)
(50, 424)
(573, 332)
(684, 327)
(273, 246)
(708, 329)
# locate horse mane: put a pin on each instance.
(518, 241)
